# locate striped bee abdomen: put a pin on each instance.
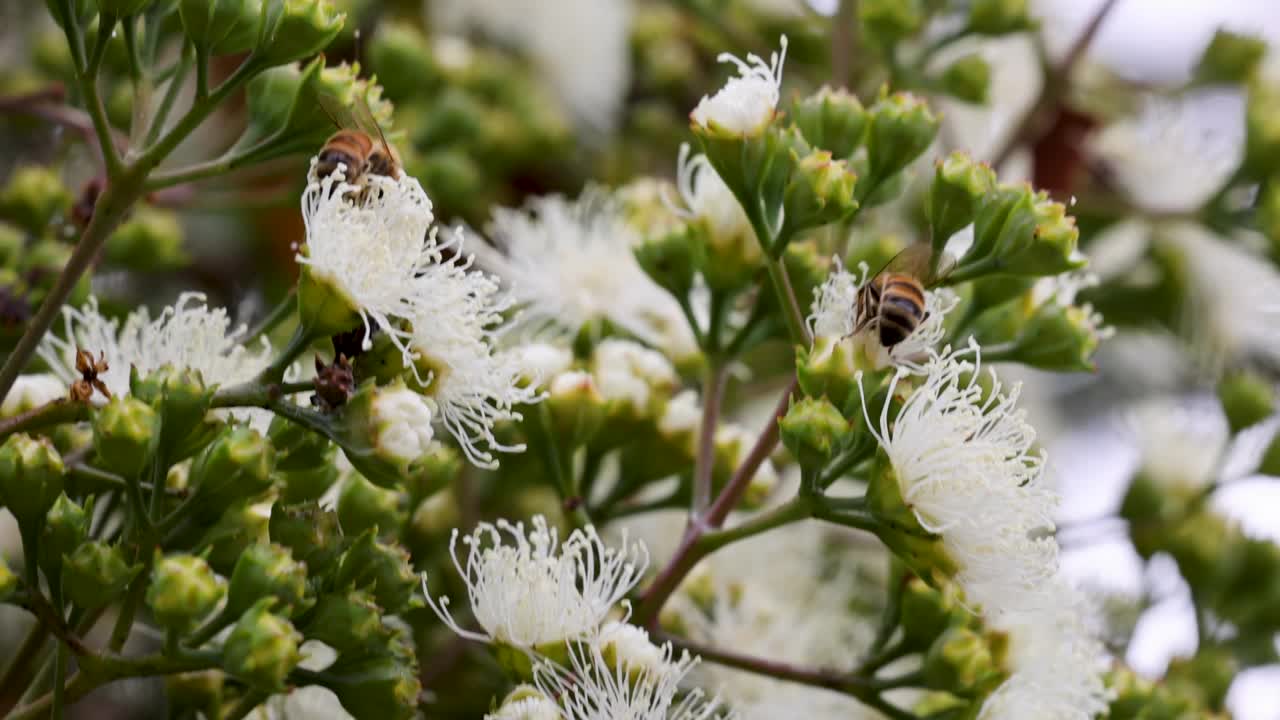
(901, 309)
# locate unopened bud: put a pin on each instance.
(262, 648)
(401, 56)
(150, 240)
(66, 526)
(241, 526)
(124, 431)
(31, 478)
(182, 399)
(310, 532)
(886, 22)
(811, 430)
(959, 661)
(902, 127)
(12, 244)
(183, 591)
(96, 575)
(384, 431)
(671, 257)
(236, 466)
(998, 17)
(967, 79)
(376, 685)
(833, 120)
(828, 369)
(267, 570)
(385, 569)
(927, 611)
(32, 198)
(347, 621)
(199, 692)
(958, 184)
(294, 29)
(820, 191)
(221, 26)
(1019, 232)
(364, 506)
(1247, 398)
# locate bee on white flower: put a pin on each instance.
(527, 589)
(570, 263)
(1056, 662)
(963, 459)
(188, 334)
(835, 315)
(747, 103)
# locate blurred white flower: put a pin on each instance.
(1015, 84)
(1179, 447)
(473, 384)
(570, 263)
(527, 589)
(1056, 660)
(372, 248)
(1176, 151)
(33, 390)
(540, 362)
(966, 467)
(835, 315)
(746, 103)
(591, 72)
(707, 199)
(629, 373)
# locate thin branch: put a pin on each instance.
(712, 397)
(765, 444)
(56, 412)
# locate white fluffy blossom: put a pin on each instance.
(473, 384)
(593, 688)
(528, 589)
(570, 263)
(188, 334)
(1176, 152)
(835, 315)
(1056, 662)
(746, 103)
(372, 248)
(32, 391)
(582, 47)
(965, 466)
(1179, 447)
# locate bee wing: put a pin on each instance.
(339, 114)
(365, 121)
(912, 260)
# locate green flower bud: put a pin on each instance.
(346, 622)
(119, 104)
(96, 575)
(12, 245)
(999, 17)
(832, 120)
(41, 265)
(901, 127)
(122, 8)
(435, 516)
(376, 685)
(885, 22)
(310, 532)
(828, 369)
(363, 506)
(384, 568)
(236, 466)
(1230, 58)
(8, 581)
(280, 105)
(820, 191)
(1052, 336)
(294, 29)
(267, 570)
(240, 527)
(384, 431)
(124, 431)
(958, 184)
(150, 240)
(305, 466)
(967, 79)
(811, 430)
(180, 396)
(221, 26)
(926, 612)
(672, 257)
(33, 197)
(183, 591)
(65, 527)
(1247, 398)
(198, 692)
(401, 55)
(1262, 130)
(1022, 233)
(960, 662)
(31, 479)
(262, 648)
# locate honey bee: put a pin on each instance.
(893, 301)
(359, 144)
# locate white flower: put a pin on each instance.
(965, 466)
(473, 385)
(528, 589)
(1179, 447)
(188, 334)
(1177, 151)
(628, 647)
(708, 199)
(591, 73)
(32, 391)
(1056, 661)
(570, 263)
(593, 689)
(835, 315)
(372, 250)
(630, 373)
(402, 423)
(526, 703)
(540, 361)
(747, 103)
(682, 416)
